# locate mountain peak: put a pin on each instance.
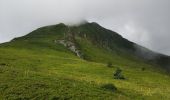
(73, 37)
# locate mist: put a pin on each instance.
(145, 22)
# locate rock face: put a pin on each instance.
(69, 42)
(71, 46)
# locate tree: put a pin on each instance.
(118, 74)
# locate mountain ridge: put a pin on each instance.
(101, 37)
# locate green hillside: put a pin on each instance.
(62, 62)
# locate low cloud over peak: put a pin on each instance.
(145, 22)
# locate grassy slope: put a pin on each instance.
(37, 68)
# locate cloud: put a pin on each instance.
(145, 22)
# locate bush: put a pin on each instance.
(109, 64)
(118, 74)
(3, 64)
(143, 69)
(109, 87)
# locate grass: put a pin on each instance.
(49, 74)
(39, 69)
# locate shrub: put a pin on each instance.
(109, 87)
(143, 69)
(118, 74)
(3, 64)
(109, 64)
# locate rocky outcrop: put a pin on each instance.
(69, 42)
(71, 46)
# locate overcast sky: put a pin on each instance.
(146, 22)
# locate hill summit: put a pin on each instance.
(72, 38)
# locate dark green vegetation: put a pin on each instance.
(109, 64)
(39, 67)
(118, 74)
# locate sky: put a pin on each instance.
(145, 22)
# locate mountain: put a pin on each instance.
(98, 36)
(71, 62)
